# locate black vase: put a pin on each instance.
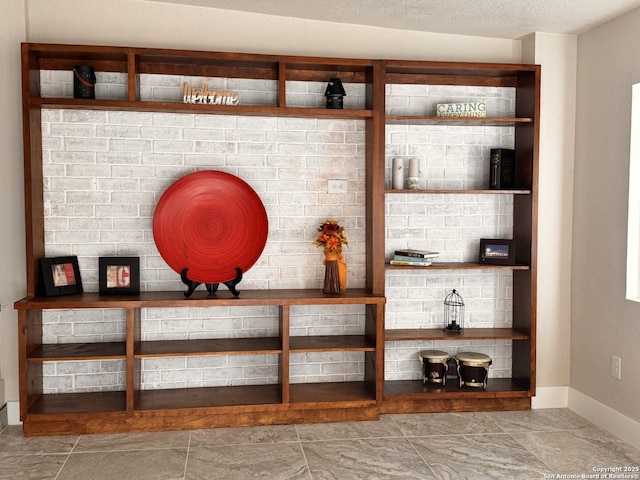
(84, 81)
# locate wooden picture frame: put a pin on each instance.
(497, 252)
(60, 276)
(119, 275)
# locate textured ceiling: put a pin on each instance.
(487, 18)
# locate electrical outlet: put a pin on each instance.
(337, 186)
(616, 367)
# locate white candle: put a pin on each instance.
(397, 174)
(414, 167)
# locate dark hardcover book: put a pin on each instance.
(416, 253)
(405, 258)
(502, 168)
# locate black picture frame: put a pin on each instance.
(495, 251)
(119, 275)
(60, 276)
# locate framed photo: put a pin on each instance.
(60, 276)
(497, 252)
(119, 275)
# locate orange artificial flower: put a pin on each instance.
(331, 235)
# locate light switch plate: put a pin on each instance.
(616, 367)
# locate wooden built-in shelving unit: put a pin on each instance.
(136, 409)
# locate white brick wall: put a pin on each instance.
(209, 371)
(105, 171)
(101, 189)
(94, 376)
(84, 326)
(407, 99)
(327, 367)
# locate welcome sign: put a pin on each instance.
(195, 95)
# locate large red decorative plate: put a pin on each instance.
(210, 222)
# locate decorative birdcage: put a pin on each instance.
(453, 312)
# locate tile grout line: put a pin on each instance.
(369, 437)
(186, 459)
(493, 422)
(67, 459)
(511, 435)
(532, 453)
(304, 454)
(414, 448)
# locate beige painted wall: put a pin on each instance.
(147, 23)
(603, 322)
(12, 281)
(557, 55)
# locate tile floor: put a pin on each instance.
(534, 444)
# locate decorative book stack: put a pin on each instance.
(416, 258)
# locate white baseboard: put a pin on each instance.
(550, 397)
(605, 417)
(13, 413)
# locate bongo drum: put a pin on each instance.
(473, 369)
(434, 366)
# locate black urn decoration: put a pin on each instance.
(334, 93)
(84, 81)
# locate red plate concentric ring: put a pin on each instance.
(210, 222)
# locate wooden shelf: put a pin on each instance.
(414, 389)
(456, 266)
(413, 334)
(332, 343)
(178, 107)
(353, 393)
(197, 63)
(245, 395)
(242, 395)
(201, 347)
(461, 192)
(56, 57)
(78, 351)
(466, 121)
(75, 403)
(201, 298)
(457, 73)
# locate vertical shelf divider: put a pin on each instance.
(133, 77)
(33, 176)
(284, 356)
(30, 337)
(375, 181)
(282, 85)
(374, 361)
(133, 365)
